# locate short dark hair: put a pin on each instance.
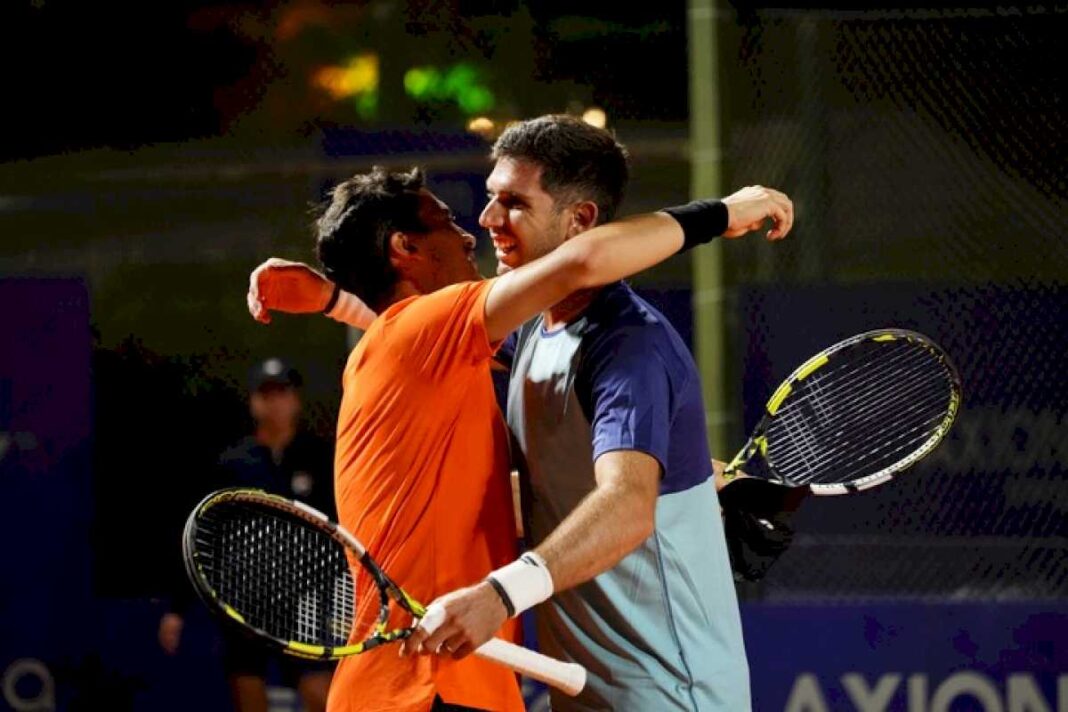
(354, 229)
(578, 161)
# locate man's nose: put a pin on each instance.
(491, 215)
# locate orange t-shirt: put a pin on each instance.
(421, 476)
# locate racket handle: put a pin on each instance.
(569, 678)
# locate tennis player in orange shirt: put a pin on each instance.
(421, 470)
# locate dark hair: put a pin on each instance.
(354, 228)
(578, 161)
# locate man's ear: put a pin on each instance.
(583, 217)
(401, 247)
(402, 243)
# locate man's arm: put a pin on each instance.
(616, 250)
(296, 288)
(598, 256)
(609, 523)
(601, 255)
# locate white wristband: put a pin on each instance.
(526, 581)
(351, 310)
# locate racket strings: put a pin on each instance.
(872, 429)
(865, 453)
(844, 377)
(813, 394)
(864, 459)
(282, 576)
(897, 397)
(877, 402)
(857, 459)
(824, 402)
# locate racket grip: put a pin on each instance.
(569, 678)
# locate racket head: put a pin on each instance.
(282, 572)
(858, 413)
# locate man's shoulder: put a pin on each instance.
(621, 324)
(619, 308)
(445, 297)
(439, 307)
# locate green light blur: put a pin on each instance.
(460, 83)
(367, 104)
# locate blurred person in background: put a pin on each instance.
(282, 457)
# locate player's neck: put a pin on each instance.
(401, 290)
(569, 308)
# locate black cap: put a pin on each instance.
(274, 372)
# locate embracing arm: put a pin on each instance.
(296, 288)
(620, 249)
(598, 256)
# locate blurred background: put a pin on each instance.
(154, 153)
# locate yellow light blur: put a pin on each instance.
(481, 125)
(595, 117)
(359, 76)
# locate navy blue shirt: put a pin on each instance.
(637, 384)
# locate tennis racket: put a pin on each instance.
(855, 415)
(280, 570)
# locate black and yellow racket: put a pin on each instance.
(281, 571)
(855, 415)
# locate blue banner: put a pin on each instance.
(914, 657)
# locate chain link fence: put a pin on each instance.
(926, 152)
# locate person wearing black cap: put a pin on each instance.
(281, 457)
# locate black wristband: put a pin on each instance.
(505, 598)
(701, 221)
(333, 299)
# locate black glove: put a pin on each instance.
(756, 519)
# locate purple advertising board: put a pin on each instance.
(908, 657)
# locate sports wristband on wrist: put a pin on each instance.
(333, 299)
(524, 583)
(350, 309)
(701, 221)
(508, 605)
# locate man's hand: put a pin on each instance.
(170, 632)
(472, 616)
(718, 468)
(751, 206)
(285, 286)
